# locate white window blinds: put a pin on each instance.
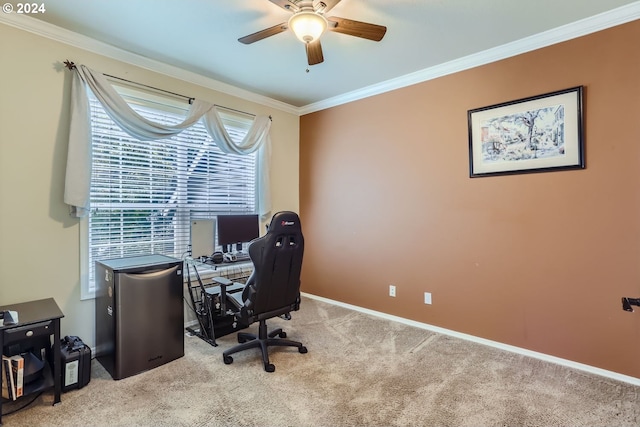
(144, 193)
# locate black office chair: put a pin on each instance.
(273, 288)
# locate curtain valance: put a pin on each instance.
(79, 156)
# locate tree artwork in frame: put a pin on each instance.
(538, 134)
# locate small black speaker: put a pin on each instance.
(33, 368)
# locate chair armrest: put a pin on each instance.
(222, 281)
(233, 289)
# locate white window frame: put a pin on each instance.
(231, 119)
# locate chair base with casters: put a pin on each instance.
(263, 340)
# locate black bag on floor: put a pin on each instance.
(75, 358)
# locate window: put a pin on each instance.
(144, 193)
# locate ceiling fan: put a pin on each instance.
(308, 22)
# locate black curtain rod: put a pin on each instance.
(190, 99)
(237, 111)
(70, 65)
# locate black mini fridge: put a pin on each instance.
(139, 313)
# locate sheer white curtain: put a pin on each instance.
(78, 175)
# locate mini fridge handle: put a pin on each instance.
(149, 274)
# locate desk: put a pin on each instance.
(36, 319)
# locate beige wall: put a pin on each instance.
(539, 261)
(39, 242)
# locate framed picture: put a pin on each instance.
(538, 134)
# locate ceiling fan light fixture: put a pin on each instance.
(308, 26)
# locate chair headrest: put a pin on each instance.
(285, 222)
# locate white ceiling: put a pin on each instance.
(201, 36)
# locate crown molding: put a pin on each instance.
(53, 32)
(593, 24)
(612, 18)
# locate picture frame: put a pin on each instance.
(541, 133)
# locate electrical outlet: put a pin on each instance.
(427, 297)
(392, 290)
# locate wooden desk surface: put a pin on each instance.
(33, 312)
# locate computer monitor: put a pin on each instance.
(237, 229)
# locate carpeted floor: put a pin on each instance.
(360, 371)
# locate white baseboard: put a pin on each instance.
(541, 356)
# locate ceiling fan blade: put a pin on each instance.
(356, 28)
(286, 5)
(324, 6)
(314, 52)
(252, 38)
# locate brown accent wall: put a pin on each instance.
(539, 261)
